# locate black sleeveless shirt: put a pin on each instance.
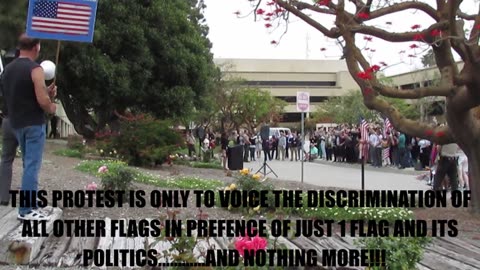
(19, 93)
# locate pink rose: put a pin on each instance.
(251, 244)
(259, 243)
(240, 245)
(103, 169)
(91, 186)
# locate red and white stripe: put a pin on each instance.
(71, 19)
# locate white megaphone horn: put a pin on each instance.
(49, 69)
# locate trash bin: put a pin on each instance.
(235, 157)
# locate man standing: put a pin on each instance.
(402, 151)
(28, 98)
(9, 150)
(191, 143)
(447, 165)
(53, 127)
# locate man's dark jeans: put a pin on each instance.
(446, 166)
(403, 157)
(9, 150)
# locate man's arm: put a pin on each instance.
(42, 92)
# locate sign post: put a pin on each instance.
(303, 106)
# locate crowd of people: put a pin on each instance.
(381, 147)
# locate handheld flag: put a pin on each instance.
(364, 137)
(387, 126)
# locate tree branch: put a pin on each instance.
(474, 35)
(332, 33)
(413, 93)
(441, 135)
(397, 37)
(404, 6)
(465, 16)
(303, 5)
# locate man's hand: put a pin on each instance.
(52, 91)
(52, 108)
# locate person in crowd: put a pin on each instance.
(402, 151)
(329, 145)
(386, 149)
(349, 146)
(258, 146)
(293, 147)
(424, 152)
(378, 149)
(414, 149)
(447, 165)
(9, 151)
(266, 150)
(273, 146)
(394, 148)
(246, 145)
(463, 179)
(313, 153)
(282, 145)
(300, 144)
(224, 146)
(252, 146)
(373, 142)
(191, 144)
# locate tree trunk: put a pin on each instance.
(82, 121)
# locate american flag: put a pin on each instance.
(387, 126)
(61, 17)
(364, 137)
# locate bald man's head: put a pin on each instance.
(26, 43)
(29, 46)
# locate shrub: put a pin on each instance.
(75, 142)
(207, 156)
(140, 141)
(403, 253)
(119, 179)
(115, 168)
(246, 181)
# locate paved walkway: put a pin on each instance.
(344, 175)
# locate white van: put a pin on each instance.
(275, 131)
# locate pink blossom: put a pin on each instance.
(103, 169)
(247, 243)
(91, 186)
(415, 26)
(363, 15)
(259, 243)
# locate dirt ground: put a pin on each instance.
(58, 173)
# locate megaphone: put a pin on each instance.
(49, 69)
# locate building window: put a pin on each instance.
(291, 117)
(410, 86)
(291, 83)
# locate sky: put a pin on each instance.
(236, 36)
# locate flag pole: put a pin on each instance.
(57, 56)
(363, 172)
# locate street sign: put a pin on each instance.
(303, 101)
